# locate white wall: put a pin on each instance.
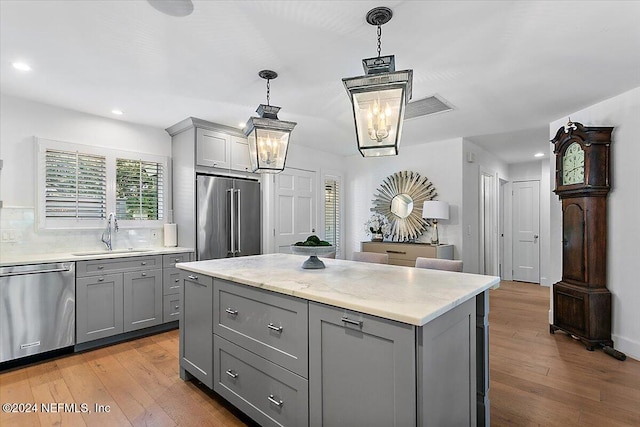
(473, 160)
(20, 121)
(623, 113)
(440, 162)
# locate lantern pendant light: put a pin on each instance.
(268, 137)
(379, 97)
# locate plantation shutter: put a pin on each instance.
(332, 213)
(75, 185)
(139, 190)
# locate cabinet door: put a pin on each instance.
(171, 281)
(362, 369)
(142, 299)
(240, 154)
(196, 327)
(213, 149)
(99, 307)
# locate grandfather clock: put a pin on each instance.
(581, 300)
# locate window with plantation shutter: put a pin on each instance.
(332, 213)
(139, 190)
(79, 185)
(75, 185)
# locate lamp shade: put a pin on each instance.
(435, 209)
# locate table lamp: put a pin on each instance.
(434, 210)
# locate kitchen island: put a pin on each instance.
(351, 344)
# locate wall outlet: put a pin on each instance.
(9, 236)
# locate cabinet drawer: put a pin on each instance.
(170, 281)
(171, 308)
(269, 394)
(271, 325)
(102, 266)
(170, 260)
(401, 252)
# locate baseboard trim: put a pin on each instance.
(627, 346)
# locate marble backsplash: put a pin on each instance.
(19, 235)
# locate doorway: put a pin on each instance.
(489, 259)
(295, 207)
(526, 231)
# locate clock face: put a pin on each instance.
(573, 165)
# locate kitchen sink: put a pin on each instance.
(116, 251)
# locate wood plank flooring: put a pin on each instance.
(536, 379)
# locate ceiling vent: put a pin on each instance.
(426, 106)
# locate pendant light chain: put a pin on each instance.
(268, 91)
(379, 39)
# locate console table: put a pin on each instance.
(406, 253)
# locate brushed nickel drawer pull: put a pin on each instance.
(101, 279)
(232, 312)
(275, 401)
(232, 374)
(274, 327)
(192, 277)
(396, 252)
(352, 322)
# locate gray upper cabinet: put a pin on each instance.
(240, 154)
(213, 149)
(142, 299)
(99, 307)
(362, 369)
(196, 327)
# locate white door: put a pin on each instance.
(295, 208)
(526, 231)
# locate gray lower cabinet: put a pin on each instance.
(142, 299)
(196, 328)
(99, 307)
(268, 393)
(362, 369)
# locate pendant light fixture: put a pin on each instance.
(379, 97)
(268, 137)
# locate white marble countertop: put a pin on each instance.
(406, 294)
(23, 259)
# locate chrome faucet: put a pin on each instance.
(107, 240)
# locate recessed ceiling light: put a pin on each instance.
(538, 155)
(241, 125)
(117, 112)
(22, 66)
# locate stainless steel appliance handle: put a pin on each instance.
(233, 223)
(23, 270)
(238, 250)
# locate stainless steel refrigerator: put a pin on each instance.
(228, 221)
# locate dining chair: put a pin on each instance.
(439, 264)
(372, 257)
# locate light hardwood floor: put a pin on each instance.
(536, 379)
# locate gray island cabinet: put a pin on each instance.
(354, 344)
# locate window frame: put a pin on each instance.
(44, 223)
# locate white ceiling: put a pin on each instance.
(509, 67)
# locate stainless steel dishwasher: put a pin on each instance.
(37, 309)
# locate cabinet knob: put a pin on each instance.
(177, 280)
(143, 263)
(273, 399)
(176, 307)
(144, 274)
(177, 260)
(101, 279)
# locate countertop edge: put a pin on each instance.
(69, 257)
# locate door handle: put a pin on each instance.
(238, 250)
(232, 217)
(535, 237)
